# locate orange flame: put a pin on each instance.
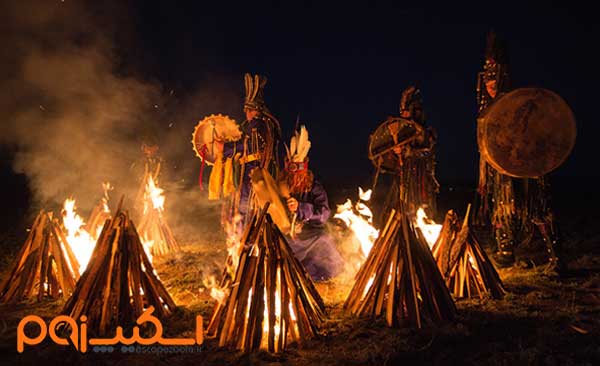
(155, 195)
(430, 230)
(81, 242)
(359, 218)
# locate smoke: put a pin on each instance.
(76, 114)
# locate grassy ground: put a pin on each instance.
(543, 320)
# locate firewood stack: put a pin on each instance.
(272, 301)
(465, 266)
(154, 228)
(400, 279)
(119, 281)
(45, 266)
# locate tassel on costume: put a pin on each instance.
(215, 181)
(228, 186)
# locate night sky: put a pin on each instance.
(342, 68)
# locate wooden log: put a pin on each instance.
(400, 280)
(119, 281)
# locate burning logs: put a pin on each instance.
(153, 227)
(400, 278)
(45, 266)
(464, 264)
(119, 281)
(272, 299)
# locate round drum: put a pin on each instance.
(392, 133)
(526, 133)
(210, 134)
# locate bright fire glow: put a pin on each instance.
(233, 243)
(155, 195)
(154, 199)
(359, 218)
(81, 242)
(215, 291)
(428, 227)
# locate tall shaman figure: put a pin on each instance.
(404, 147)
(257, 147)
(513, 207)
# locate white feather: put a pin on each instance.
(293, 146)
(303, 144)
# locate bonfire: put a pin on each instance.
(272, 300)
(156, 234)
(466, 268)
(119, 282)
(44, 267)
(400, 279)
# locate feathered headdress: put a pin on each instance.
(254, 92)
(298, 150)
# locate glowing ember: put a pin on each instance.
(359, 218)
(81, 242)
(428, 227)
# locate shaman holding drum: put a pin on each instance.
(405, 148)
(522, 135)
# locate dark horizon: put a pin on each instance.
(341, 69)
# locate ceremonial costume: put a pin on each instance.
(404, 147)
(256, 148)
(513, 207)
(310, 242)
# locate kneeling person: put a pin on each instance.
(308, 204)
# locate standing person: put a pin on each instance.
(307, 202)
(411, 160)
(256, 148)
(514, 207)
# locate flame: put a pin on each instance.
(154, 198)
(430, 230)
(216, 292)
(233, 243)
(359, 218)
(155, 195)
(81, 242)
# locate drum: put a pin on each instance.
(526, 133)
(210, 134)
(394, 132)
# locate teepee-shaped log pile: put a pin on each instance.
(400, 279)
(45, 266)
(155, 230)
(119, 281)
(153, 227)
(273, 300)
(467, 270)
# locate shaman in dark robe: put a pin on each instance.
(513, 207)
(411, 161)
(307, 201)
(256, 148)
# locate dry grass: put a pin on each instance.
(543, 320)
